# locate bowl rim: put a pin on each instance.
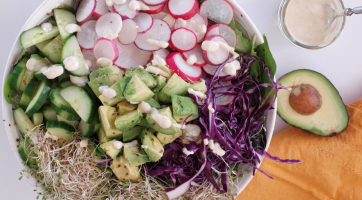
(13, 132)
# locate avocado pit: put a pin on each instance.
(305, 99)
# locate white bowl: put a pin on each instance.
(41, 14)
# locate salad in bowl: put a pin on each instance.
(151, 99)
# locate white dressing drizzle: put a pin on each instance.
(181, 21)
(169, 20)
(201, 29)
(210, 46)
(104, 62)
(155, 70)
(199, 94)
(108, 92)
(72, 28)
(80, 81)
(30, 64)
(47, 27)
(162, 120)
(157, 60)
(109, 2)
(191, 60)
(211, 109)
(117, 145)
(53, 71)
(52, 137)
(158, 43)
(144, 146)
(71, 63)
(131, 144)
(137, 5)
(187, 152)
(83, 143)
(231, 68)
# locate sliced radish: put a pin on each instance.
(183, 39)
(223, 30)
(159, 15)
(197, 51)
(159, 31)
(88, 37)
(155, 9)
(144, 22)
(211, 69)
(162, 53)
(85, 10)
(131, 56)
(101, 9)
(88, 55)
(217, 57)
(129, 32)
(205, 19)
(105, 48)
(124, 10)
(109, 25)
(154, 2)
(192, 24)
(221, 99)
(179, 66)
(183, 8)
(217, 10)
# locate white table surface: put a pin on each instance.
(341, 63)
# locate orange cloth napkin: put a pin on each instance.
(331, 167)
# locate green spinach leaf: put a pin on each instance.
(243, 45)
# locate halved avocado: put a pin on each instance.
(313, 104)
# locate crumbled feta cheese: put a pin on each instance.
(47, 27)
(161, 44)
(191, 59)
(200, 95)
(80, 81)
(71, 63)
(201, 29)
(117, 144)
(155, 70)
(187, 152)
(157, 60)
(104, 62)
(72, 28)
(210, 46)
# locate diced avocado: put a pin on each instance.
(155, 148)
(124, 107)
(106, 71)
(146, 77)
(132, 133)
(124, 170)
(153, 103)
(108, 115)
(153, 124)
(144, 123)
(110, 150)
(101, 136)
(182, 107)
(200, 86)
(72, 123)
(113, 75)
(110, 102)
(161, 83)
(135, 155)
(119, 87)
(313, 104)
(137, 91)
(175, 85)
(128, 120)
(167, 139)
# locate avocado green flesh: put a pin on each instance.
(183, 107)
(146, 77)
(330, 118)
(175, 85)
(137, 91)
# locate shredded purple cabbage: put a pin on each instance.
(230, 126)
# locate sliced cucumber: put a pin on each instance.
(28, 93)
(64, 17)
(22, 121)
(28, 76)
(81, 102)
(62, 77)
(71, 48)
(9, 94)
(49, 114)
(60, 102)
(36, 35)
(41, 45)
(60, 129)
(53, 50)
(87, 130)
(75, 124)
(27, 153)
(39, 75)
(40, 96)
(18, 74)
(37, 118)
(66, 115)
(65, 83)
(51, 20)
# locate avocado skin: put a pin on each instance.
(315, 131)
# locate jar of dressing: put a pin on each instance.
(305, 22)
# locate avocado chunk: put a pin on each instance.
(167, 139)
(105, 71)
(104, 76)
(110, 150)
(175, 85)
(124, 107)
(132, 133)
(137, 91)
(102, 136)
(314, 104)
(119, 87)
(128, 120)
(153, 103)
(108, 115)
(144, 123)
(124, 170)
(135, 155)
(200, 86)
(182, 107)
(153, 124)
(161, 83)
(146, 77)
(155, 148)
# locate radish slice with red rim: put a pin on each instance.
(179, 66)
(222, 99)
(154, 2)
(211, 69)
(159, 15)
(160, 31)
(144, 22)
(192, 24)
(129, 32)
(155, 9)
(183, 39)
(88, 37)
(131, 56)
(124, 10)
(183, 8)
(106, 48)
(85, 10)
(101, 9)
(217, 10)
(109, 25)
(88, 55)
(224, 31)
(217, 57)
(162, 53)
(197, 51)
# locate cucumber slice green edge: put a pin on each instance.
(40, 96)
(28, 93)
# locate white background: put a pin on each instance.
(341, 63)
